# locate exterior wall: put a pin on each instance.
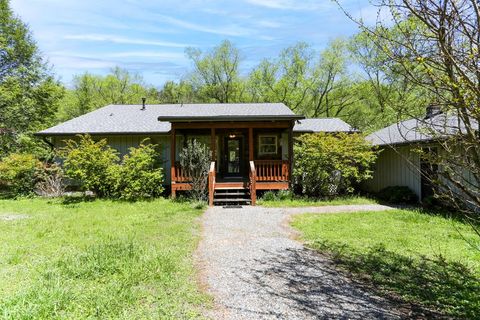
(399, 167)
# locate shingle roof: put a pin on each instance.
(417, 130)
(323, 125)
(121, 119)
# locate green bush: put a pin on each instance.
(96, 166)
(195, 161)
(329, 165)
(93, 164)
(279, 195)
(397, 194)
(141, 177)
(19, 173)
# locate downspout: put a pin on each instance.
(50, 144)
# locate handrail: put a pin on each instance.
(211, 183)
(271, 170)
(253, 183)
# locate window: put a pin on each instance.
(267, 145)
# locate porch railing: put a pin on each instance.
(179, 174)
(271, 170)
(211, 183)
(253, 181)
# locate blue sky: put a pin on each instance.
(149, 37)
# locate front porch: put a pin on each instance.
(245, 156)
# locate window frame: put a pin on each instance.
(260, 144)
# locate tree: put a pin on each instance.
(332, 85)
(286, 79)
(181, 92)
(91, 92)
(29, 95)
(216, 74)
(434, 45)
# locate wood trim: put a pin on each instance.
(213, 144)
(250, 144)
(271, 185)
(229, 125)
(172, 159)
(290, 152)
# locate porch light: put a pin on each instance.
(232, 136)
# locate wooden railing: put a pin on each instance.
(253, 181)
(179, 174)
(211, 183)
(271, 170)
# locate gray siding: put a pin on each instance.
(399, 167)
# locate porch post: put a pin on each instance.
(250, 144)
(290, 153)
(213, 144)
(172, 160)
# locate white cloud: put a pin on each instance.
(124, 40)
(230, 30)
(291, 4)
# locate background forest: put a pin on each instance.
(348, 79)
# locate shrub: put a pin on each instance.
(141, 177)
(93, 164)
(19, 173)
(397, 194)
(328, 165)
(195, 160)
(51, 181)
(279, 195)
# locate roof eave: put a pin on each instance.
(52, 134)
(229, 118)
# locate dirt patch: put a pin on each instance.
(13, 217)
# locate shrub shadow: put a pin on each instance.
(314, 286)
(449, 287)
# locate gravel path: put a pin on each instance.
(255, 270)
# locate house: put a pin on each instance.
(400, 163)
(251, 144)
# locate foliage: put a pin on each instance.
(20, 173)
(277, 196)
(140, 175)
(328, 165)
(91, 92)
(398, 194)
(29, 96)
(93, 164)
(99, 259)
(216, 73)
(51, 181)
(420, 256)
(195, 161)
(433, 45)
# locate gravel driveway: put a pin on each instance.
(254, 270)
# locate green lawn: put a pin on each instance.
(426, 259)
(308, 202)
(98, 259)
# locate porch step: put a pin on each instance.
(231, 196)
(225, 200)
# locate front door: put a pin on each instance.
(233, 165)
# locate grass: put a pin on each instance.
(426, 259)
(309, 202)
(98, 259)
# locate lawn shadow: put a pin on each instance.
(313, 285)
(449, 287)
